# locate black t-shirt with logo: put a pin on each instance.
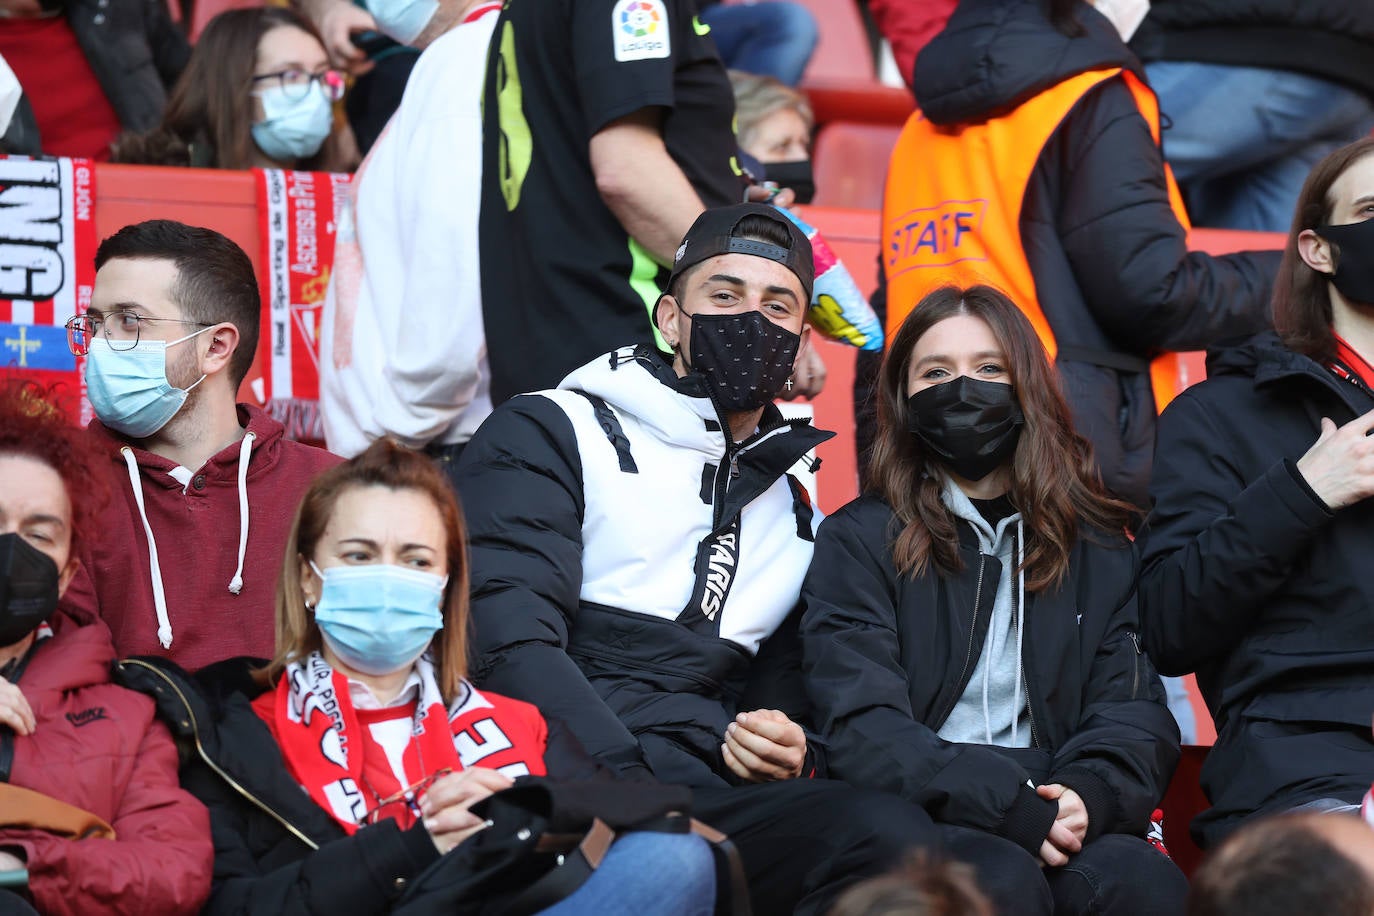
(561, 280)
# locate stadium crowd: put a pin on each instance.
(550, 621)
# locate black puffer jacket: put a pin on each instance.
(1111, 263)
(1332, 39)
(1249, 580)
(276, 850)
(887, 657)
(593, 527)
(136, 51)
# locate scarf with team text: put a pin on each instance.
(47, 270)
(300, 215)
(312, 716)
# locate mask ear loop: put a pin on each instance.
(678, 349)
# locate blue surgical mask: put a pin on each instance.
(293, 128)
(402, 20)
(129, 389)
(378, 618)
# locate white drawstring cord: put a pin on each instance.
(164, 625)
(245, 451)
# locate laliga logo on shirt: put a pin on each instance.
(937, 236)
(639, 30)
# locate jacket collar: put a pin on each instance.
(223, 465)
(1275, 365)
(680, 412)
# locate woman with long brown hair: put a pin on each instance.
(970, 629)
(258, 92)
(1256, 560)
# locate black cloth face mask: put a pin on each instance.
(28, 588)
(970, 424)
(1354, 275)
(744, 357)
(797, 175)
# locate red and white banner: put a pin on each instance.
(47, 269)
(297, 217)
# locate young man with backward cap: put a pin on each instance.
(638, 549)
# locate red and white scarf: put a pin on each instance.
(314, 721)
(299, 216)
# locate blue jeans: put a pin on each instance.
(672, 874)
(1241, 140)
(774, 38)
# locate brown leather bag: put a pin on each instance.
(21, 807)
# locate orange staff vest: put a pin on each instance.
(952, 205)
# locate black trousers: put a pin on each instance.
(802, 842)
(1115, 875)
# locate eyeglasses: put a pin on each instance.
(121, 330)
(410, 795)
(296, 83)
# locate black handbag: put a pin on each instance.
(545, 840)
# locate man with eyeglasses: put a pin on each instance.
(203, 488)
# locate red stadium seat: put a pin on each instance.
(1181, 804)
(202, 11)
(851, 163)
(841, 80)
(844, 51)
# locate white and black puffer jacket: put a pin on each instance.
(635, 573)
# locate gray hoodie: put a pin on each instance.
(992, 709)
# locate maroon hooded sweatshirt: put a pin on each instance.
(100, 747)
(201, 588)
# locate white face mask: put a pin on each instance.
(1126, 15)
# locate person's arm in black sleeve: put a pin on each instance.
(1128, 252)
(1120, 757)
(356, 874)
(520, 481)
(856, 681)
(1216, 546)
(166, 42)
(625, 94)
(566, 760)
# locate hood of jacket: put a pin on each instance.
(79, 654)
(223, 465)
(251, 486)
(676, 410)
(1264, 358)
(995, 54)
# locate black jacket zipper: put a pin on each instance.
(972, 637)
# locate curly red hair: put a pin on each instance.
(34, 425)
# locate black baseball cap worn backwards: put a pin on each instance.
(713, 234)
